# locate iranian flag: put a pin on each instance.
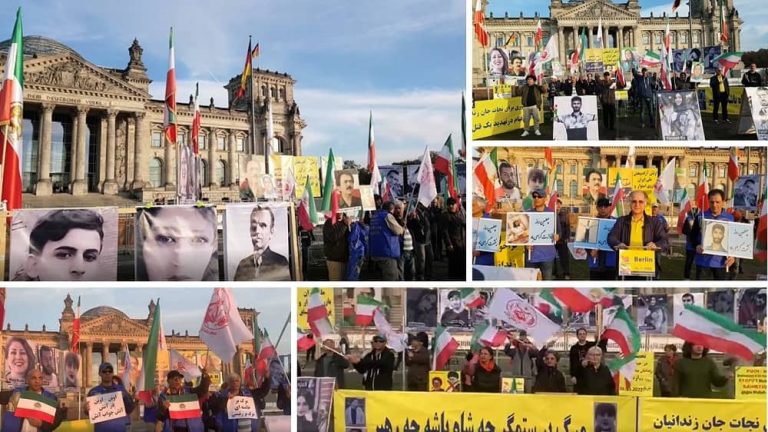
(196, 120)
(717, 332)
(702, 190)
(549, 305)
(373, 166)
(305, 342)
(675, 5)
(623, 367)
(76, 329)
(487, 335)
(317, 315)
(364, 308)
(666, 54)
(266, 349)
(666, 182)
(184, 406)
(480, 33)
(149, 364)
(539, 37)
(446, 165)
(584, 299)
(444, 346)
(733, 164)
(761, 240)
(578, 53)
(617, 204)
(650, 59)
(729, 60)
(36, 406)
(620, 80)
(471, 298)
(685, 207)
(11, 109)
(169, 120)
(328, 186)
(487, 177)
(623, 331)
(306, 211)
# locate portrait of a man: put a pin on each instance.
(394, 178)
(455, 314)
(266, 248)
(576, 118)
(47, 358)
(745, 192)
(64, 245)
(715, 239)
(510, 188)
(354, 412)
(595, 186)
(346, 182)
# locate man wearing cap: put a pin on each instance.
(376, 366)
(331, 364)
(715, 264)
(111, 384)
(638, 230)
(542, 257)
(11, 423)
(234, 388)
(176, 388)
(602, 263)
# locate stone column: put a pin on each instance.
(130, 148)
(620, 37)
(232, 159)
(110, 185)
(575, 36)
(212, 143)
(102, 152)
(169, 159)
(560, 44)
(104, 351)
(590, 40)
(140, 166)
(44, 186)
(88, 361)
(80, 186)
(605, 36)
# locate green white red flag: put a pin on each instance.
(266, 350)
(11, 111)
(487, 335)
(702, 190)
(184, 406)
(444, 345)
(623, 330)
(624, 367)
(728, 60)
(445, 163)
(149, 364)
(364, 309)
(328, 185)
(487, 177)
(617, 204)
(685, 207)
(547, 304)
(36, 406)
(717, 332)
(471, 298)
(584, 299)
(306, 211)
(317, 316)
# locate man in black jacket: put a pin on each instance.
(720, 90)
(564, 232)
(578, 356)
(331, 364)
(335, 244)
(421, 232)
(548, 378)
(376, 366)
(752, 77)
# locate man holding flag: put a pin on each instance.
(376, 366)
(179, 406)
(32, 408)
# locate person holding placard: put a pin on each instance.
(176, 388)
(224, 403)
(12, 423)
(692, 231)
(715, 264)
(111, 384)
(638, 230)
(602, 264)
(542, 257)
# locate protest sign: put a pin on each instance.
(488, 235)
(637, 262)
(106, 406)
(680, 414)
(496, 116)
(642, 381)
(530, 228)
(750, 382)
(513, 385)
(241, 407)
(592, 233)
(727, 238)
(444, 381)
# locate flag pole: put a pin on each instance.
(251, 112)
(279, 338)
(3, 204)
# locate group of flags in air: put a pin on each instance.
(694, 324)
(662, 59)
(487, 181)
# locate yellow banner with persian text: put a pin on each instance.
(304, 166)
(496, 116)
(750, 382)
(734, 100)
(302, 299)
(482, 412)
(642, 381)
(682, 414)
(608, 56)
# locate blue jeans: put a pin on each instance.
(646, 103)
(405, 265)
(546, 269)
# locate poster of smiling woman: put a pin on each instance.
(64, 245)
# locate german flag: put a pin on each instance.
(247, 69)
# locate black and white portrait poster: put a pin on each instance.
(393, 175)
(313, 403)
(652, 313)
(758, 102)
(64, 245)
(722, 302)
(575, 118)
(257, 242)
(176, 243)
(421, 306)
(751, 302)
(709, 54)
(745, 191)
(680, 116)
(411, 177)
(453, 311)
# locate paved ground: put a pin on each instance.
(630, 128)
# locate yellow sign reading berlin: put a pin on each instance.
(637, 262)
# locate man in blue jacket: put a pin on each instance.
(542, 257)
(234, 388)
(176, 388)
(602, 263)
(110, 384)
(11, 423)
(638, 230)
(384, 243)
(715, 264)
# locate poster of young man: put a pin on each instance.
(595, 185)
(758, 102)
(453, 311)
(64, 245)
(679, 301)
(745, 192)
(680, 117)
(393, 174)
(751, 304)
(575, 118)
(263, 253)
(710, 53)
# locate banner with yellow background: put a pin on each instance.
(642, 381)
(302, 298)
(497, 116)
(682, 414)
(304, 166)
(750, 382)
(483, 412)
(734, 100)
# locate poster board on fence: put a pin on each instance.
(497, 116)
(750, 382)
(642, 381)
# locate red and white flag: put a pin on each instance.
(714, 331)
(480, 33)
(666, 54)
(185, 406)
(373, 166)
(223, 328)
(487, 177)
(539, 37)
(184, 365)
(444, 347)
(305, 342)
(685, 207)
(472, 298)
(584, 299)
(702, 190)
(11, 110)
(444, 164)
(267, 350)
(426, 176)
(317, 316)
(733, 164)
(509, 307)
(76, 329)
(364, 309)
(169, 121)
(723, 25)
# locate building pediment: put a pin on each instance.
(590, 11)
(68, 73)
(112, 326)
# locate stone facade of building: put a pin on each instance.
(93, 129)
(622, 24)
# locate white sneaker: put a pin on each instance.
(525, 133)
(538, 133)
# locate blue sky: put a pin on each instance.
(404, 60)
(181, 308)
(754, 34)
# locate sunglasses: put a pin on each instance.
(537, 196)
(107, 371)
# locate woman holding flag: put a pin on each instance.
(486, 374)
